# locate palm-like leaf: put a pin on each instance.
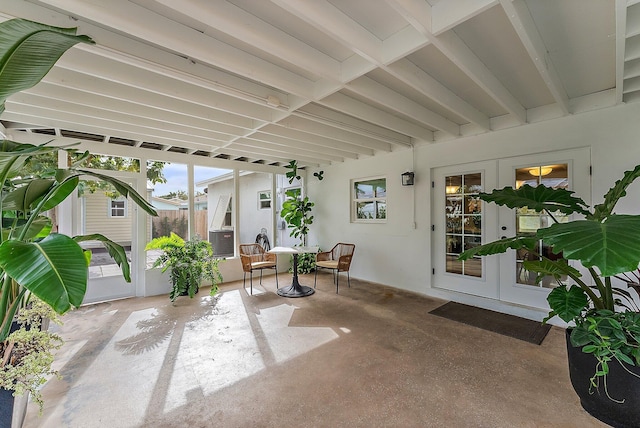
(29, 50)
(53, 269)
(538, 198)
(613, 246)
(116, 251)
(556, 268)
(619, 190)
(498, 247)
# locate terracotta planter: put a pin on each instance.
(620, 386)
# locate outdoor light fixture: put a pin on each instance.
(407, 179)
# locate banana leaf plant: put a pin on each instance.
(34, 261)
(592, 252)
(51, 266)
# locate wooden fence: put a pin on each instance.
(176, 221)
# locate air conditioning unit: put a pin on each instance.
(222, 242)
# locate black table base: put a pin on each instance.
(295, 289)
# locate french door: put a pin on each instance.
(462, 220)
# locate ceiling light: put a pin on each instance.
(543, 170)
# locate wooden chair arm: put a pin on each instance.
(246, 262)
(270, 257)
(323, 256)
(344, 262)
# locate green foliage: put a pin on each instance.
(606, 244)
(306, 263)
(28, 353)
(191, 262)
(609, 336)
(292, 174)
(296, 211)
(36, 265)
(28, 50)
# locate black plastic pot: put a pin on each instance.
(12, 409)
(620, 386)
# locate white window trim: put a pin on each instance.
(354, 201)
(260, 200)
(110, 208)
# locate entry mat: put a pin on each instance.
(508, 325)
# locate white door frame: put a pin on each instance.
(498, 282)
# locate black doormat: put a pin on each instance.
(508, 325)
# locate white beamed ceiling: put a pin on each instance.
(323, 81)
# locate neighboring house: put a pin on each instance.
(168, 204)
(255, 205)
(102, 214)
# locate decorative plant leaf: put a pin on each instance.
(613, 246)
(23, 198)
(29, 51)
(116, 251)
(619, 190)
(498, 247)
(537, 198)
(61, 192)
(566, 303)
(550, 267)
(53, 269)
(123, 188)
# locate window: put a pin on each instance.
(463, 216)
(264, 200)
(117, 208)
(370, 200)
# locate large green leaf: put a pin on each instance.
(23, 197)
(613, 246)
(61, 192)
(556, 268)
(566, 303)
(53, 269)
(619, 190)
(538, 198)
(28, 51)
(500, 246)
(116, 251)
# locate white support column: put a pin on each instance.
(190, 202)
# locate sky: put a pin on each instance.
(176, 175)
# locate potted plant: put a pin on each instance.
(296, 211)
(591, 254)
(36, 264)
(191, 262)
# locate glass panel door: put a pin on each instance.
(463, 212)
(528, 221)
(460, 220)
(567, 169)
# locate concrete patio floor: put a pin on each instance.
(371, 356)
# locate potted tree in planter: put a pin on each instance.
(35, 264)
(191, 262)
(296, 211)
(604, 343)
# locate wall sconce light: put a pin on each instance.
(407, 179)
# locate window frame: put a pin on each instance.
(269, 199)
(375, 199)
(124, 209)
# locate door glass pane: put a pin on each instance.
(463, 220)
(528, 221)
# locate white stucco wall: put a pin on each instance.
(398, 255)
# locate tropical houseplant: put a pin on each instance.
(190, 263)
(36, 264)
(592, 254)
(296, 212)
